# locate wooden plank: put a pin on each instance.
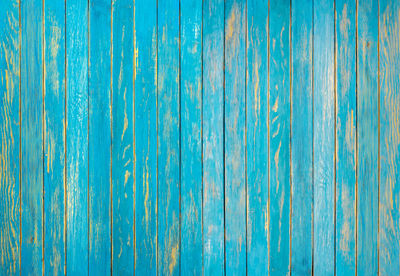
(389, 195)
(367, 137)
(122, 138)
(77, 136)
(324, 137)
(213, 143)
(99, 126)
(235, 139)
(279, 136)
(191, 131)
(54, 137)
(145, 156)
(10, 138)
(168, 120)
(32, 137)
(302, 137)
(257, 131)
(346, 111)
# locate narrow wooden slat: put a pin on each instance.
(302, 137)
(168, 120)
(99, 126)
(77, 136)
(367, 137)
(32, 137)
(213, 139)
(10, 138)
(235, 143)
(324, 137)
(54, 137)
(279, 135)
(191, 131)
(389, 196)
(122, 138)
(346, 111)
(257, 131)
(145, 154)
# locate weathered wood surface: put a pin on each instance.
(171, 137)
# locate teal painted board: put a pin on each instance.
(169, 139)
(279, 136)
(32, 137)
(122, 137)
(367, 137)
(302, 137)
(346, 111)
(54, 138)
(213, 140)
(389, 194)
(99, 160)
(324, 138)
(191, 137)
(145, 143)
(10, 138)
(257, 131)
(235, 137)
(77, 136)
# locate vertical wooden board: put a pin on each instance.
(54, 137)
(168, 120)
(257, 131)
(367, 137)
(302, 137)
(122, 138)
(213, 143)
(279, 136)
(99, 126)
(324, 136)
(191, 131)
(145, 154)
(235, 143)
(77, 136)
(10, 138)
(389, 196)
(32, 137)
(346, 111)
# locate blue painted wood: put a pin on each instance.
(324, 138)
(346, 111)
(10, 138)
(168, 146)
(302, 137)
(389, 194)
(77, 136)
(234, 137)
(32, 137)
(191, 137)
(122, 138)
(145, 154)
(54, 138)
(257, 145)
(279, 135)
(213, 141)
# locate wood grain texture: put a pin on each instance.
(32, 137)
(389, 194)
(77, 136)
(10, 138)
(191, 137)
(122, 138)
(54, 137)
(145, 156)
(213, 141)
(302, 137)
(257, 131)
